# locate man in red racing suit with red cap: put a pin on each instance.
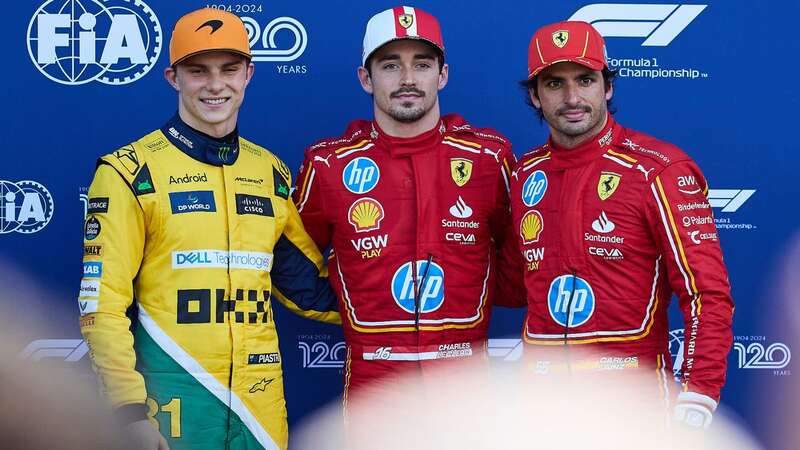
(415, 207)
(611, 222)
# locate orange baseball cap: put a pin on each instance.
(570, 41)
(205, 30)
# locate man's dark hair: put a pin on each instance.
(439, 57)
(531, 86)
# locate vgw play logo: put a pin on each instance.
(78, 41)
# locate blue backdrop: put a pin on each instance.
(716, 78)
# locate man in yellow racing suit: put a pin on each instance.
(193, 225)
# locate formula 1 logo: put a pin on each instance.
(660, 24)
(25, 207)
(729, 200)
(74, 42)
(68, 350)
(270, 50)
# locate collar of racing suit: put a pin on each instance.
(400, 147)
(590, 150)
(200, 146)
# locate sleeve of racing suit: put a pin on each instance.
(299, 277)
(683, 224)
(509, 270)
(113, 250)
(308, 201)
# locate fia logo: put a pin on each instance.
(74, 42)
(25, 207)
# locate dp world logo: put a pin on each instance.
(111, 41)
(25, 207)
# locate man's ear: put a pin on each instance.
(365, 80)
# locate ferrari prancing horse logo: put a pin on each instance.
(405, 20)
(560, 38)
(607, 184)
(460, 170)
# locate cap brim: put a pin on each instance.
(585, 62)
(411, 38)
(229, 50)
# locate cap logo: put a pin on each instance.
(214, 24)
(405, 20)
(560, 38)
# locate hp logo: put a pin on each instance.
(361, 175)
(431, 288)
(566, 290)
(111, 41)
(534, 188)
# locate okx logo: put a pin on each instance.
(25, 207)
(111, 41)
(426, 286)
(660, 24)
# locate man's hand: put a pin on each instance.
(694, 410)
(144, 436)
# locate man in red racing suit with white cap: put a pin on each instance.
(611, 223)
(415, 207)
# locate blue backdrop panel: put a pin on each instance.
(84, 77)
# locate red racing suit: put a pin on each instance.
(609, 231)
(421, 241)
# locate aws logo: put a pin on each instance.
(75, 42)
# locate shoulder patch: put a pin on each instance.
(128, 159)
(143, 183)
(354, 132)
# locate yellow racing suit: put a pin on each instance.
(199, 235)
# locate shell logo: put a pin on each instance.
(531, 226)
(365, 214)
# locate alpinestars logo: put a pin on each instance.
(659, 24)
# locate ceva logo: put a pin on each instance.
(660, 24)
(111, 41)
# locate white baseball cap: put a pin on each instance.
(401, 22)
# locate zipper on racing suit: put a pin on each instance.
(418, 287)
(567, 321)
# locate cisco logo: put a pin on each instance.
(75, 42)
(25, 207)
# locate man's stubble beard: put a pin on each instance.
(405, 114)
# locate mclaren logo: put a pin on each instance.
(214, 24)
(560, 38)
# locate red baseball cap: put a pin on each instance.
(401, 22)
(570, 41)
